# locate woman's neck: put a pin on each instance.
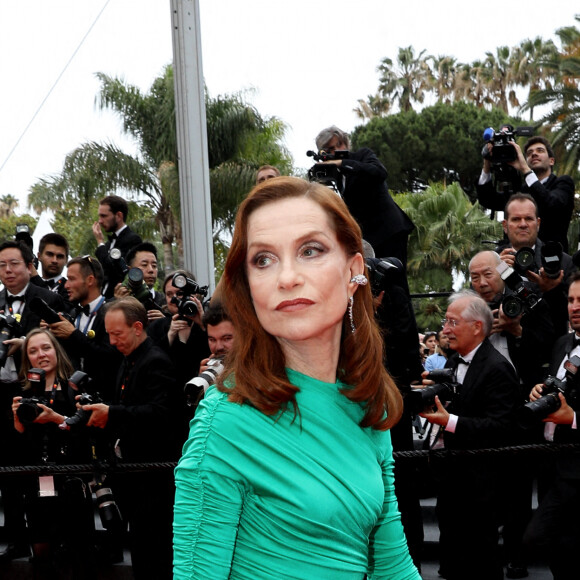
(315, 360)
(50, 380)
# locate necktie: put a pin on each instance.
(112, 237)
(462, 361)
(50, 283)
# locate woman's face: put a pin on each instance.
(298, 272)
(431, 343)
(41, 353)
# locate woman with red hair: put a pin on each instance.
(288, 470)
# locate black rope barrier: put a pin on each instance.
(405, 456)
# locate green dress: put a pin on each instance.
(261, 497)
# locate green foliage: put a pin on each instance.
(239, 141)
(449, 230)
(8, 225)
(441, 143)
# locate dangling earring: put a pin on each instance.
(350, 315)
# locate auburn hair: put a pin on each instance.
(257, 363)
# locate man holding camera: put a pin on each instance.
(85, 339)
(113, 212)
(553, 195)
(554, 526)
(480, 415)
(384, 224)
(526, 339)
(139, 424)
(144, 257)
(16, 268)
(521, 225)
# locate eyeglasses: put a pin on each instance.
(453, 322)
(11, 263)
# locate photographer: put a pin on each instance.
(58, 509)
(144, 257)
(138, 422)
(113, 212)
(521, 225)
(52, 255)
(554, 526)
(85, 340)
(384, 224)
(525, 340)
(480, 415)
(553, 195)
(16, 270)
(438, 359)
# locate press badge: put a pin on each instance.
(46, 486)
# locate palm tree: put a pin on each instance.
(564, 98)
(449, 230)
(444, 78)
(237, 135)
(408, 81)
(9, 202)
(374, 106)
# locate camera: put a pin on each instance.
(115, 265)
(419, 399)
(550, 256)
(186, 307)
(327, 174)
(382, 273)
(108, 509)
(503, 153)
(201, 383)
(80, 382)
(522, 299)
(135, 283)
(28, 410)
(46, 313)
(8, 327)
(535, 411)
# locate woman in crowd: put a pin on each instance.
(287, 473)
(58, 509)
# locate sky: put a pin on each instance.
(305, 62)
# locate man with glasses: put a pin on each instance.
(16, 270)
(480, 415)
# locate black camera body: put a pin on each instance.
(534, 411)
(79, 381)
(327, 174)
(522, 299)
(383, 272)
(503, 152)
(28, 410)
(420, 399)
(186, 307)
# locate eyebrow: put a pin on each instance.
(299, 241)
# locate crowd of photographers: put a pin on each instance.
(113, 370)
(93, 368)
(501, 370)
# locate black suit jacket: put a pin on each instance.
(486, 402)
(95, 356)
(29, 319)
(126, 240)
(555, 200)
(140, 415)
(368, 199)
(568, 466)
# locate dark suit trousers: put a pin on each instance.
(555, 530)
